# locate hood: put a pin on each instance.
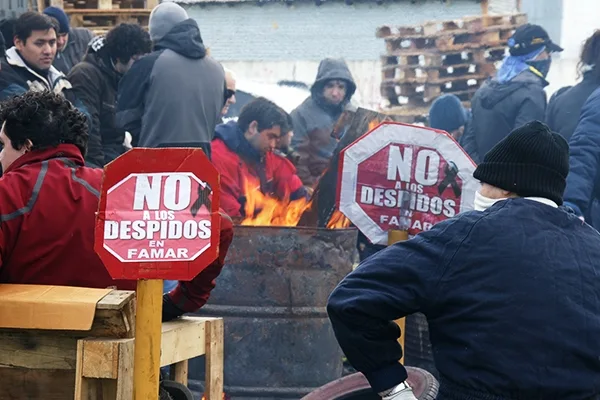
(184, 39)
(330, 69)
(56, 81)
(98, 56)
(233, 137)
(493, 92)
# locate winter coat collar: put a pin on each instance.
(233, 137)
(69, 151)
(56, 80)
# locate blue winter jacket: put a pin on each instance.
(512, 299)
(583, 182)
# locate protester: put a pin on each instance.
(172, 97)
(564, 107)
(583, 183)
(29, 62)
(48, 201)
(71, 43)
(243, 155)
(509, 290)
(229, 96)
(516, 95)
(315, 117)
(95, 81)
(284, 145)
(448, 114)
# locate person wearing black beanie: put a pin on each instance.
(509, 290)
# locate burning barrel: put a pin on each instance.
(272, 295)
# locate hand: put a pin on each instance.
(403, 394)
(170, 310)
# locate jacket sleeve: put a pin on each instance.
(469, 142)
(131, 96)
(584, 156)
(286, 180)
(550, 110)
(533, 108)
(301, 144)
(87, 88)
(190, 296)
(393, 283)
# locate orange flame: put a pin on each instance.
(264, 210)
(373, 124)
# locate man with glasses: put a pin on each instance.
(229, 91)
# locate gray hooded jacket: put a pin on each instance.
(314, 119)
(173, 96)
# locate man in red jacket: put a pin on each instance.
(242, 152)
(48, 200)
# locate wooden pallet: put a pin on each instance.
(412, 74)
(443, 58)
(101, 21)
(460, 26)
(423, 95)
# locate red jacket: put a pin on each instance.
(238, 163)
(48, 201)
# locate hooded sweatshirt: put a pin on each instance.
(173, 96)
(95, 82)
(314, 119)
(499, 108)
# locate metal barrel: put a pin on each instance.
(272, 294)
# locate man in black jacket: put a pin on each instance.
(515, 96)
(509, 290)
(96, 79)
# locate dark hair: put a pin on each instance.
(7, 29)
(33, 21)
(127, 40)
(590, 54)
(266, 113)
(46, 119)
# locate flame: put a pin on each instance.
(338, 221)
(373, 124)
(264, 210)
(224, 397)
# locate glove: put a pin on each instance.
(400, 392)
(170, 310)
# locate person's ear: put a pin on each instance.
(253, 128)
(28, 146)
(19, 44)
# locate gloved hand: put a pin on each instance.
(400, 392)
(170, 310)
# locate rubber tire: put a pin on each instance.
(356, 387)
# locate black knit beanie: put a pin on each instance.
(532, 162)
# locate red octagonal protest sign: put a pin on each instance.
(158, 215)
(404, 177)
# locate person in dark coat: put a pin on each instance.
(564, 107)
(448, 114)
(583, 184)
(509, 290)
(72, 43)
(7, 30)
(172, 97)
(95, 82)
(315, 117)
(515, 96)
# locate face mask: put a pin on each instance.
(482, 203)
(542, 66)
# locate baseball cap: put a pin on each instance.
(528, 38)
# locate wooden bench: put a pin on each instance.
(97, 364)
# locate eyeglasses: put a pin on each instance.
(229, 94)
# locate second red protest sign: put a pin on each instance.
(160, 222)
(404, 177)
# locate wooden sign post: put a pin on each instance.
(157, 219)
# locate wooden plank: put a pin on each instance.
(213, 389)
(125, 371)
(116, 300)
(100, 358)
(37, 349)
(28, 384)
(105, 5)
(147, 339)
(182, 339)
(179, 372)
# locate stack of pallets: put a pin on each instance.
(425, 61)
(101, 15)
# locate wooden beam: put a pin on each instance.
(213, 388)
(485, 5)
(29, 384)
(182, 339)
(179, 372)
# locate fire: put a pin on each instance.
(373, 124)
(264, 210)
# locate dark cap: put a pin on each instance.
(528, 38)
(530, 161)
